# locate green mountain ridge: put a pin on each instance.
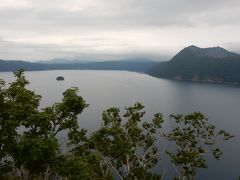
(127, 65)
(214, 65)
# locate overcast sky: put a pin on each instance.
(111, 29)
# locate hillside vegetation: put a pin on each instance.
(215, 65)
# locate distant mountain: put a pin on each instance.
(62, 61)
(213, 64)
(136, 66)
(212, 52)
(14, 65)
(77, 61)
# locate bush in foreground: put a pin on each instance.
(123, 147)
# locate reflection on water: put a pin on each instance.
(102, 89)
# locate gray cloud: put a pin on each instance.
(41, 29)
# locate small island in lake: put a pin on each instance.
(60, 78)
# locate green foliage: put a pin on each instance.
(128, 147)
(194, 138)
(36, 154)
(80, 167)
(29, 144)
(124, 146)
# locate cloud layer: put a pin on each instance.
(111, 29)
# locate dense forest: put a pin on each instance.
(124, 147)
(213, 65)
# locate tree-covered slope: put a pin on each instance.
(201, 64)
(15, 65)
(137, 66)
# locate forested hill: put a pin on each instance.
(202, 65)
(137, 66)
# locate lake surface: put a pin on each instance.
(102, 89)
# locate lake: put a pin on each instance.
(102, 89)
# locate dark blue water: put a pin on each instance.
(102, 89)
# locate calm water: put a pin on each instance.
(102, 89)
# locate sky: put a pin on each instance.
(115, 29)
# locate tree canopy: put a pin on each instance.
(124, 147)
